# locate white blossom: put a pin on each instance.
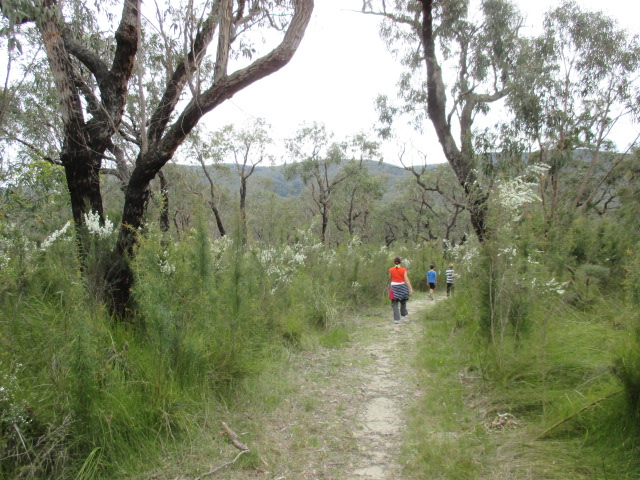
(538, 169)
(355, 241)
(509, 252)
(92, 221)
(555, 286)
(517, 192)
(54, 236)
(470, 255)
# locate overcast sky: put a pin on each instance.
(342, 65)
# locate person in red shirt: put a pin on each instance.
(400, 290)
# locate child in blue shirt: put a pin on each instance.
(431, 280)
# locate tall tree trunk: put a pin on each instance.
(325, 224)
(243, 209)
(460, 161)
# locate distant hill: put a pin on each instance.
(274, 177)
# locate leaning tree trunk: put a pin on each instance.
(164, 140)
(460, 161)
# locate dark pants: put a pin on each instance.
(399, 309)
(449, 289)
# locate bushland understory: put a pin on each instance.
(371, 409)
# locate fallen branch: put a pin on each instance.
(217, 469)
(592, 404)
(234, 437)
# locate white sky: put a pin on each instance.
(342, 65)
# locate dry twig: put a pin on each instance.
(234, 437)
(236, 443)
(217, 469)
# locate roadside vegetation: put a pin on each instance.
(541, 388)
(532, 366)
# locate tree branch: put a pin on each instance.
(228, 86)
(178, 80)
(564, 420)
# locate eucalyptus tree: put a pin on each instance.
(198, 149)
(246, 148)
(212, 55)
(274, 218)
(402, 218)
(581, 85)
(323, 164)
(356, 201)
(29, 124)
(102, 96)
(481, 51)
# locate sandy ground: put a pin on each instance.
(386, 390)
(347, 421)
(345, 418)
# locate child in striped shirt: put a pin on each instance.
(450, 274)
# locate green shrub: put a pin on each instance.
(626, 365)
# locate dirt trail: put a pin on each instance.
(345, 419)
(386, 390)
(348, 419)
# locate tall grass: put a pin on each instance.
(83, 394)
(555, 348)
(542, 327)
(569, 417)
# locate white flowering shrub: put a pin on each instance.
(219, 248)
(16, 253)
(4, 254)
(281, 264)
(58, 234)
(166, 268)
(508, 252)
(92, 222)
(354, 243)
(515, 193)
(552, 286)
(329, 257)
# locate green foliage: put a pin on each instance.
(626, 365)
(556, 382)
(627, 354)
(32, 195)
(632, 277)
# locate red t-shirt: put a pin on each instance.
(397, 274)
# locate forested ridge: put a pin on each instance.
(159, 278)
(274, 177)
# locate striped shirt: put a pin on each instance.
(450, 274)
